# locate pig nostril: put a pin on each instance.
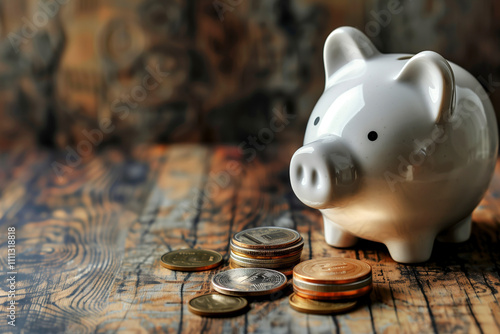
(314, 177)
(300, 174)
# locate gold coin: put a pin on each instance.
(318, 307)
(332, 270)
(216, 305)
(266, 237)
(191, 259)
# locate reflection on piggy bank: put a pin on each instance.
(399, 149)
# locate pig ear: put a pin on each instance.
(432, 75)
(344, 45)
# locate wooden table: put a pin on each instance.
(88, 248)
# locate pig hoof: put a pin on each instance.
(459, 232)
(417, 250)
(336, 236)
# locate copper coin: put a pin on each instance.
(286, 271)
(353, 294)
(332, 270)
(318, 307)
(191, 259)
(266, 237)
(216, 305)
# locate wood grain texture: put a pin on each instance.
(70, 235)
(89, 248)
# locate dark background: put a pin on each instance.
(67, 66)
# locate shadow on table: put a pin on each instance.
(481, 253)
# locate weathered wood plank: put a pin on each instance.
(70, 236)
(18, 170)
(187, 208)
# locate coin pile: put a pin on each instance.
(269, 247)
(260, 259)
(320, 284)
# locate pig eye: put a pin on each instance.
(316, 121)
(372, 135)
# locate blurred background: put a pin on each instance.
(217, 71)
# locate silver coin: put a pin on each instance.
(273, 252)
(332, 287)
(266, 237)
(277, 266)
(248, 281)
(288, 260)
(286, 271)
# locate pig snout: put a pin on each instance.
(322, 173)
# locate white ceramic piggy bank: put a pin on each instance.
(399, 149)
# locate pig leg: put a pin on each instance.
(336, 236)
(417, 248)
(459, 232)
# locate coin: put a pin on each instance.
(281, 261)
(285, 271)
(266, 237)
(216, 305)
(248, 281)
(277, 266)
(264, 257)
(318, 307)
(333, 270)
(268, 253)
(191, 259)
(310, 294)
(332, 287)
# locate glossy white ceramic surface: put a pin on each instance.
(399, 149)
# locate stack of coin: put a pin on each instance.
(270, 247)
(330, 280)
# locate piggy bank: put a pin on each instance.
(399, 149)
